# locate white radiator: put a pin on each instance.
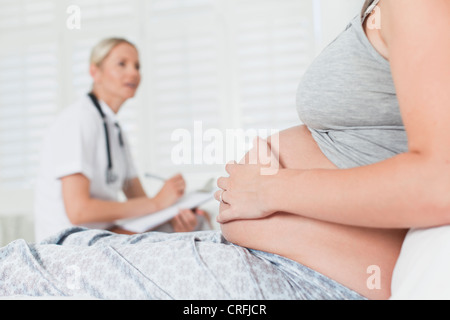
(16, 226)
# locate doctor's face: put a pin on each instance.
(118, 76)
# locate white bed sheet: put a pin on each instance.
(422, 271)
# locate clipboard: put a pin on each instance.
(153, 220)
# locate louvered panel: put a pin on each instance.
(274, 45)
(186, 86)
(160, 10)
(28, 103)
(16, 14)
(109, 10)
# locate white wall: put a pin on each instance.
(335, 16)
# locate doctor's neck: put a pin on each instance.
(113, 102)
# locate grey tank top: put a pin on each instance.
(348, 101)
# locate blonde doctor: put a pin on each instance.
(86, 161)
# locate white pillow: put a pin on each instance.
(422, 271)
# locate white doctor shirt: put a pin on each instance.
(76, 143)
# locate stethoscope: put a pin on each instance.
(110, 176)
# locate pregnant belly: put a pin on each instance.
(346, 254)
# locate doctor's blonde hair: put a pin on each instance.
(104, 47)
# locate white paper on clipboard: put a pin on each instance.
(153, 220)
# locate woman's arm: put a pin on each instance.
(133, 189)
(81, 208)
(409, 190)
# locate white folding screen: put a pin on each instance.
(273, 45)
(206, 64)
(223, 65)
(186, 74)
(28, 86)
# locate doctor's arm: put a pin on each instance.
(81, 208)
(133, 189)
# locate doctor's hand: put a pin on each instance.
(186, 220)
(172, 190)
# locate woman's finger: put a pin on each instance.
(226, 215)
(230, 166)
(222, 183)
(226, 197)
(222, 196)
(217, 195)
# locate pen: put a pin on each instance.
(150, 175)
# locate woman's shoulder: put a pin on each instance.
(420, 17)
(80, 114)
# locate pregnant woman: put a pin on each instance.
(372, 161)
(374, 105)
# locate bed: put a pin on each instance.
(422, 271)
